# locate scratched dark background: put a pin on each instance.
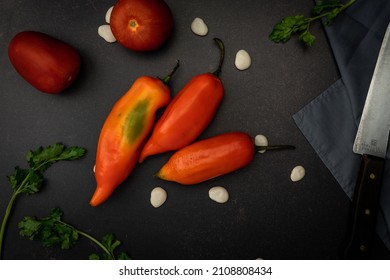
(267, 216)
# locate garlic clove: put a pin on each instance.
(219, 194)
(243, 60)
(297, 173)
(108, 14)
(105, 32)
(261, 140)
(199, 27)
(158, 196)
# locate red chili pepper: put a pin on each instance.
(212, 157)
(125, 131)
(188, 114)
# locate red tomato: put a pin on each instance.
(141, 25)
(48, 64)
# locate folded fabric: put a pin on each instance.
(331, 120)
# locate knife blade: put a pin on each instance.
(371, 142)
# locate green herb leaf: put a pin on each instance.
(299, 24)
(18, 177)
(123, 256)
(72, 153)
(94, 257)
(322, 6)
(52, 230)
(110, 242)
(331, 16)
(30, 181)
(42, 158)
(29, 227)
(25, 181)
(307, 38)
(284, 29)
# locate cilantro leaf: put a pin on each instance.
(18, 177)
(30, 181)
(42, 158)
(299, 24)
(321, 6)
(123, 256)
(307, 38)
(72, 153)
(110, 242)
(52, 230)
(283, 30)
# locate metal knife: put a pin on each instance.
(371, 142)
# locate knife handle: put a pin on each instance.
(365, 205)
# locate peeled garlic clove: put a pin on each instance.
(157, 197)
(105, 32)
(297, 173)
(261, 140)
(219, 194)
(243, 60)
(199, 27)
(108, 14)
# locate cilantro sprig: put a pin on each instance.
(29, 181)
(52, 230)
(299, 24)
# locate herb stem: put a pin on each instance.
(5, 220)
(91, 238)
(326, 11)
(8, 211)
(341, 8)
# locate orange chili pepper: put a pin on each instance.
(125, 131)
(212, 157)
(188, 114)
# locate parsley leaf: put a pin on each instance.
(299, 24)
(52, 230)
(30, 181)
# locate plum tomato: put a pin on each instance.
(48, 64)
(141, 25)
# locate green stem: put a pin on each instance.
(275, 147)
(8, 211)
(97, 242)
(5, 219)
(342, 8)
(93, 239)
(221, 57)
(168, 78)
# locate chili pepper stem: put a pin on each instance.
(168, 78)
(275, 147)
(222, 56)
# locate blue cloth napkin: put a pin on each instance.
(331, 120)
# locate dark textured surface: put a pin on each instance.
(267, 215)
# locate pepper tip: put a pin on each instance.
(100, 195)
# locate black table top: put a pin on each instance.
(267, 216)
